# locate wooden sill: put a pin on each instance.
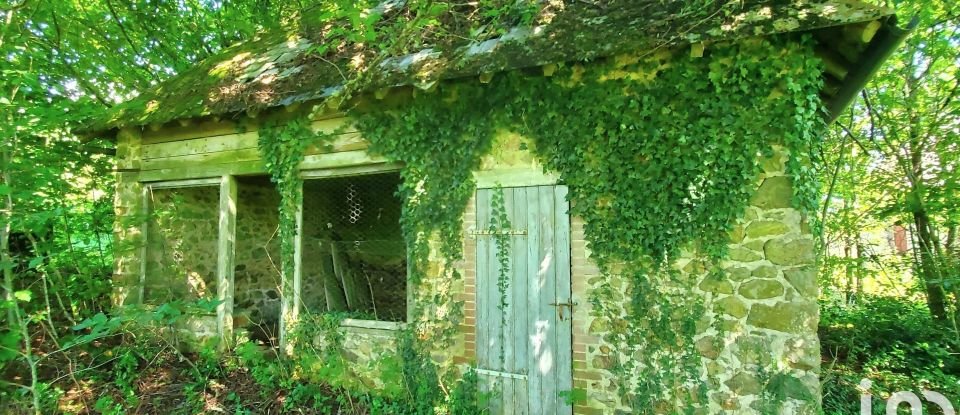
(371, 324)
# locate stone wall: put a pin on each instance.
(257, 272)
(758, 337)
(127, 226)
(181, 254)
(769, 358)
(367, 345)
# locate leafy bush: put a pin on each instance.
(891, 341)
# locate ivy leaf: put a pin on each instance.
(23, 295)
(208, 304)
(97, 319)
(9, 344)
(35, 262)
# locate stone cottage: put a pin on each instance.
(197, 213)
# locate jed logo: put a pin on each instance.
(910, 398)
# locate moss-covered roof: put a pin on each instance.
(279, 69)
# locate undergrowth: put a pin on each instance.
(892, 342)
(134, 365)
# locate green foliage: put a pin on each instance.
(106, 405)
(893, 159)
(419, 375)
(466, 398)
(428, 204)
(894, 342)
(665, 169)
(282, 147)
(695, 167)
(499, 227)
(661, 169)
(574, 396)
(440, 140)
(265, 372)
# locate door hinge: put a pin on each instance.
(560, 306)
(489, 232)
(494, 373)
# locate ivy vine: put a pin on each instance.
(658, 166)
(653, 168)
(660, 153)
(282, 145)
(500, 231)
(440, 141)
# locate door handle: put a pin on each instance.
(560, 306)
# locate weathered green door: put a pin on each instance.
(524, 331)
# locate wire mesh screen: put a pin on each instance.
(354, 256)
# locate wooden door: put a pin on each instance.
(524, 350)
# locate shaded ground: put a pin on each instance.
(167, 386)
(106, 377)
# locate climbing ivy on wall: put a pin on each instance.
(282, 146)
(661, 154)
(500, 231)
(440, 139)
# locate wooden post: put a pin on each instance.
(146, 209)
(297, 262)
(226, 247)
(290, 300)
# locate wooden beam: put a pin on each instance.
(834, 63)
(146, 209)
(351, 171)
(514, 177)
(341, 159)
(201, 159)
(199, 129)
(235, 147)
(173, 184)
(201, 145)
(297, 261)
(290, 287)
(226, 251)
(201, 171)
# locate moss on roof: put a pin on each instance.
(283, 68)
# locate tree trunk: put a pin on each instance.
(848, 270)
(6, 261)
(858, 291)
(951, 245)
(928, 269)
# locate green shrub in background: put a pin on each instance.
(891, 341)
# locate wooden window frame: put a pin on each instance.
(226, 240)
(290, 310)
